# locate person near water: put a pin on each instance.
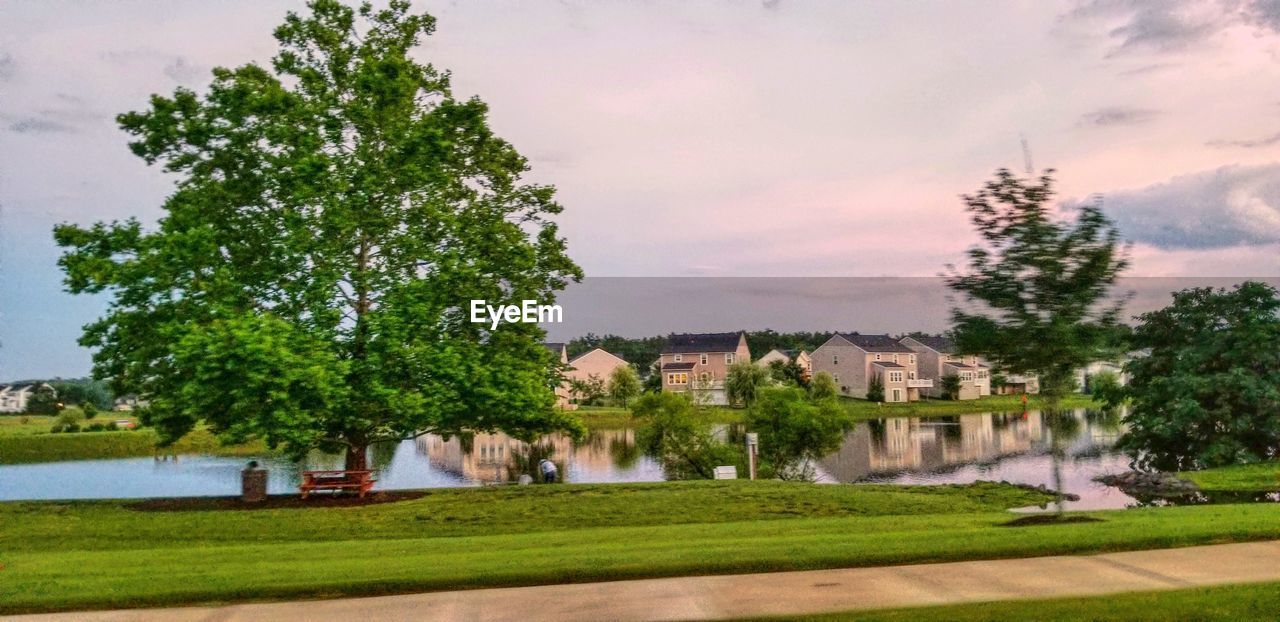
(549, 471)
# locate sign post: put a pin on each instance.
(753, 450)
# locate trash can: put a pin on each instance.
(253, 483)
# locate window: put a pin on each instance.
(966, 375)
(895, 376)
(702, 359)
(895, 358)
(897, 395)
(677, 357)
(982, 373)
(835, 377)
(911, 375)
(877, 357)
(704, 377)
(728, 358)
(678, 378)
(911, 359)
(835, 359)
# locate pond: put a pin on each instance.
(1013, 447)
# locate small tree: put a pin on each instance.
(589, 391)
(875, 389)
(823, 386)
(672, 432)
(43, 401)
(744, 380)
(1038, 288)
(795, 430)
(624, 385)
(950, 387)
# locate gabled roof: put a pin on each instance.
(678, 366)
(705, 342)
(939, 344)
(593, 351)
(875, 343)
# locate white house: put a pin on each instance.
(14, 398)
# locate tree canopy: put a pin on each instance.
(1040, 282)
(334, 212)
(1206, 391)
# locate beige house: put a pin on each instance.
(1017, 384)
(561, 352)
(800, 357)
(854, 359)
(937, 358)
(597, 363)
(699, 363)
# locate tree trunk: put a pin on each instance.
(357, 457)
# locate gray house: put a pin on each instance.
(938, 358)
(854, 359)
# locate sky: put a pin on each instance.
(746, 138)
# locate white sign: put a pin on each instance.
(527, 312)
(726, 472)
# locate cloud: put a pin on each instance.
(1117, 115)
(38, 125)
(175, 66)
(183, 72)
(1166, 26)
(1247, 144)
(8, 68)
(1230, 206)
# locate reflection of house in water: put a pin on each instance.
(490, 457)
(900, 444)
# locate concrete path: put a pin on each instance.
(781, 593)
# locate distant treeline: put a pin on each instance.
(641, 352)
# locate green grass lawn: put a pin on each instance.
(1259, 601)
(75, 555)
(862, 409)
(1256, 477)
(859, 410)
(32, 442)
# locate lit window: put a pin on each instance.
(678, 378)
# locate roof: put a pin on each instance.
(705, 342)
(941, 344)
(886, 364)
(875, 343)
(959, 365)
(593, 351)
(677, 366)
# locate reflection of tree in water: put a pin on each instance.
(524, 460)
(624, 452)
(1063, 427)
(381, 454)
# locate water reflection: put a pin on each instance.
(961, 449)
(1014, 447)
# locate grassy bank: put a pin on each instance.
(862, 409)
(105, 554)
(26, 448)
(1257, 477)
(1228, 603)
(859, 410)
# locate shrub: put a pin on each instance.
(875, 389)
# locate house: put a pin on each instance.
(937, 358)
(14, 398)
(127, 403)
(800, 357)
(561, 352)
(700, 363)
(854, 359)
(1018, 384)
(597, 363)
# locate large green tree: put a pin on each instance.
(1036, 291)
(1207, 392)
(335, 212)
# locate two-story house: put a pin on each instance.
(595, 364)
(937, 358)
(699, 363)
(14, 398)
(854, 359)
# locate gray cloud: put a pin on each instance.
(1117, 115)
(1172, 25)
(1247, 144)
(1230, 206)
(40, 125)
